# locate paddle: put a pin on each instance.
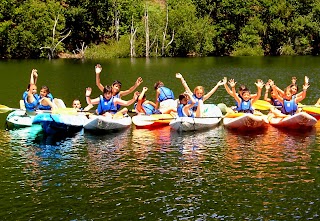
(264, 105)
(5, 109)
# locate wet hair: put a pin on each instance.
(198, 88)
(293, 85)
(242, 88)
(107, 89)
(182, 96)
(45, 88)
(158, 84)
(246, 90)
(116, 82)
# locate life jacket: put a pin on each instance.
(148, 109)
(165, 94)
(195, 106)
(245, 106)
(30, 106)
(118, 106)
(45, 107)
(106, 106)
(181, 113)
(289, 107)
(276, 103)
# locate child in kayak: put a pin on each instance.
(33, 101)
(144, 106)
(244, 100)
(116, 87)
(198, 94)
(164, 98)
(290, 101)
(273, 100)
(186, 102)
(107, 103)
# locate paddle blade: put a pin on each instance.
(5, 109)
(262, 105)
(66, 111)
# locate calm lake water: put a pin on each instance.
(140, 174)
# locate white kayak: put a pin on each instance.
(211, 117)
(300, 120)
(19, 119)
(102, 123)
(242, 121)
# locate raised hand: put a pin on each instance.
(259, 83)
(267, 85)
(294, 80)
(178, 75)
(98, 69)
(88, 91)
(139, 81)
(224, 80)
(144, 89)
(232, 83)
(136, 95)
(221, 82)
(306, 80)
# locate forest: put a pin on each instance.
(158, 28)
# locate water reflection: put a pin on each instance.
(264, 155)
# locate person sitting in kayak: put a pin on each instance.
(45, 99)
(244, 101)
(198, 94)
(116, 87)
(144, 106)
(33, 101)
(273, 99)
(240, 89)
(290, 101)
(107, 104)
(293, 87)
(186, 102)
(165, 101)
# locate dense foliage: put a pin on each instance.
(40, 28)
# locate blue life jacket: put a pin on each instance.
(276, 102)
(106, 106)
(148, 109)
(195, 106)
(165, 94)
(245, 106)
(118, 106)
(289, 107)
(30, 106)
(45, 107)
(181, 113)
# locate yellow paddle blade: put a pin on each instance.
(5, 109)
(67, 111)
(262, 105)
(311, 109)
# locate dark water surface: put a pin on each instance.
(140, 174)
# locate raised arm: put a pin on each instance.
(33, 77)
(304, 91)
(139, 104)
(259, 85)
(88, 99)
(98, 70)
(225, 83)
(276, 93)
(205, 97)
(232, 84)
(131, 89)
(184, 83)
(266, 98)
(126, 103)
(189, 105)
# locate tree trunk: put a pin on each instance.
(132, 40)
(146, 25)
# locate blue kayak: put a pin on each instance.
(60, 123)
